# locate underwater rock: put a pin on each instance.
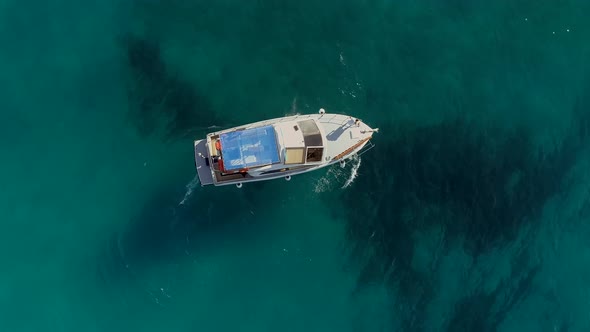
(159, 99)
(483, 186)
(484, 311)
(168, 229)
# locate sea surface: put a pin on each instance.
(471, 213)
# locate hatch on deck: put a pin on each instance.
(311, 133)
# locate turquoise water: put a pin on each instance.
(469, 214)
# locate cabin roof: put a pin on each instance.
(300, 134)
(311, 132)
(249, 148)
(291, 136)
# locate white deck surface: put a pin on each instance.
(289, 137)
(342, 133)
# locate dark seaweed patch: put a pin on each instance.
(484, 311)
(165, 231)
(160, 99)
(479, 185)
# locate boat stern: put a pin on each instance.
(202, 162)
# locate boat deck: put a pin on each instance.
(201, 162)
(343, 135)
(224, 177)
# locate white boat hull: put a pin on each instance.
(341, 138)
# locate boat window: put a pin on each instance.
(311, 133)
(294, 155)
(314, 154)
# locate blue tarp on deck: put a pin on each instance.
(249, 148)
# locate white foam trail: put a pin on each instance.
(189, 189)
(323, 183)
(356, 164)
(334, 173)
(337, 174)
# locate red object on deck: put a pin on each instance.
(221, 166)
(218, 145)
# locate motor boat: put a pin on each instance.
(279, 148)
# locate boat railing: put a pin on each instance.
(323, 117)
(297, 116)
(285, 119)
(366, 148)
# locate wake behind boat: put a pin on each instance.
(279, 147)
